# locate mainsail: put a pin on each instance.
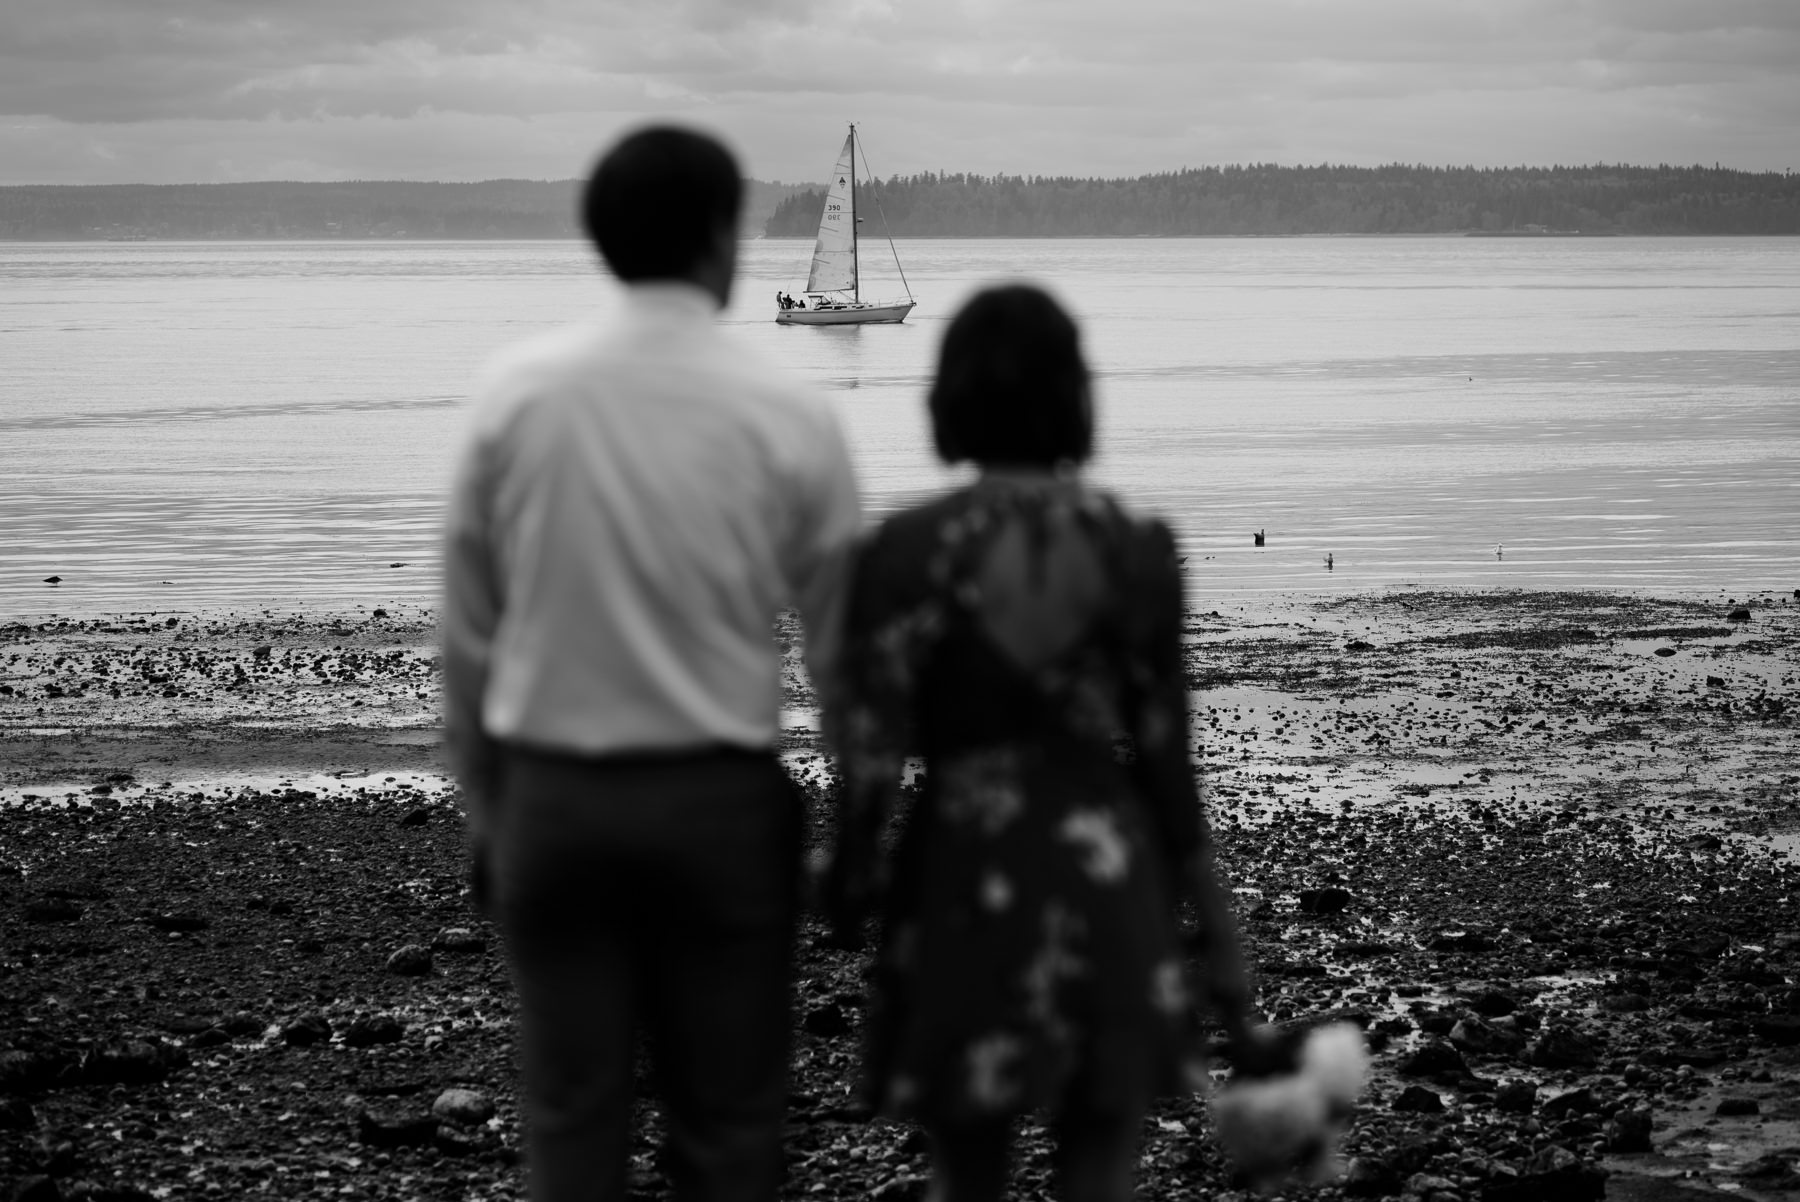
(834, 255)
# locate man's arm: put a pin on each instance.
(829, 523)
(471, 611)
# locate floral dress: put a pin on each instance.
(1025, 641)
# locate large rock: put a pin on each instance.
(1493, 1003)
(29, 1072)
(1783, 1030)
(365, 1032)
(463, 1106)
(1516, 1097)
(458, 941)
(1328, 900)
(1574, 1101)
(412, 960)
(1371, 1177)
(1562, 1047)
(132, 1062)
(1628, 1131)
(386, 1130)
(1433, 1058)
(1478, 1038)
(306, 1030)
(1416, 1099)
(1553, 1175)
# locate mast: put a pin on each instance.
(855, 263)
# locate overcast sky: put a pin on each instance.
(165, 91)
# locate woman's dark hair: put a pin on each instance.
(657, 200)
(1011, 385)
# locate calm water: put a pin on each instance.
(263, 423)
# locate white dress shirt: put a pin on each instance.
(634, 505)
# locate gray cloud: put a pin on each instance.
(477, 88)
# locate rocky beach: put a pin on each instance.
(1540, 847)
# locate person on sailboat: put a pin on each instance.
(1031, 954)
(635, 503)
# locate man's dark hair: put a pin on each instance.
(657, 200)
(1012, 387)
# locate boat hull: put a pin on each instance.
(845, 315)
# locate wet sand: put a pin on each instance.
(1523, 839)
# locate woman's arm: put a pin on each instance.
(883, 633)
(1166, 775)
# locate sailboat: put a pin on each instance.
(834, 286)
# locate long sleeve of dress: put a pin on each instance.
(882, 646)
(1158, 709)
(1166, 776)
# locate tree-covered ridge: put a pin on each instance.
(1269, 199)
(502, 208)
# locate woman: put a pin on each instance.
(1011, 633)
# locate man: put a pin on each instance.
(635, 503)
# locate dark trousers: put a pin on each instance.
(652, 893)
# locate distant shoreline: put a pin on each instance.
(1260, 199)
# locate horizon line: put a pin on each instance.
(1784, 172)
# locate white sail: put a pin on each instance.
(834, 255)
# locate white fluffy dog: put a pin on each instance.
(1285, 1127)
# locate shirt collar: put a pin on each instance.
(674, 298)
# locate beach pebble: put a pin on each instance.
(465, 1106)
(413, 960)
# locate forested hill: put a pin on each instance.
(1267, 199)
(504, 208)
(1258, 199)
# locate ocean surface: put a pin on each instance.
(262, 425)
